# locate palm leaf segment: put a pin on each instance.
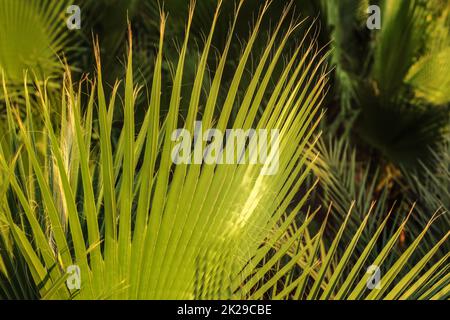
(32, 33)
(143, 228)
(179, 223)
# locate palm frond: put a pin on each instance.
(178, 223)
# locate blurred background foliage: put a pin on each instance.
(385, 134)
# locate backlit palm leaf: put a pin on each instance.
(32, 34)
(152, 229)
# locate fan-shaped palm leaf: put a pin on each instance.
(178, 223)
(32, 35)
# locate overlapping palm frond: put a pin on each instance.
(316, 269)
(345, 20)
(34, 40)
(346, 179)
(140, 227)
(401, 96)
(429, 187)
(32, 35)
(135, 224)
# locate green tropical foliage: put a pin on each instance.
(402, 99)
(86, 171)
(35, 32)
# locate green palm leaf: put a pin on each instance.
(140, 227)
(32, 35)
